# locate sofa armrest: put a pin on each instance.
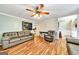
(5, 43)
(73, 41)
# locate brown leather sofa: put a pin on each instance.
(13, 38)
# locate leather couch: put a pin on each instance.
(73, 46)
(13, 38)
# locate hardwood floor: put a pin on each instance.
(39, 46)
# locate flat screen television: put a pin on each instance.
(26, 25)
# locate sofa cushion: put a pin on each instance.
(20, 34)
(26, 37)
(73, 49)
(23, 33)
(10, 34)
(26, 32)
(13, 40)
(5, 38)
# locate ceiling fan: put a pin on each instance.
(38, 11)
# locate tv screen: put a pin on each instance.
(30, 26)
(26, 26)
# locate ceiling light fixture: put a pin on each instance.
(37, 13)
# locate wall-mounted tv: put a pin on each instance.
(26, 26)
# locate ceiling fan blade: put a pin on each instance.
(33, 15)
(45, 13)
(41, 6)
(30, 10)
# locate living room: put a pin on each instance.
(19, 28)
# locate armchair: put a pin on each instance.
(50, 36)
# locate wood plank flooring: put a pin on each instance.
(39, 46)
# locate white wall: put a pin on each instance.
(67, 25)
(50, 24)
(46, 25)
(77, 21)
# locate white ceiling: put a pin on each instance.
(56, 10)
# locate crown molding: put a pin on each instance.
(12, 16)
